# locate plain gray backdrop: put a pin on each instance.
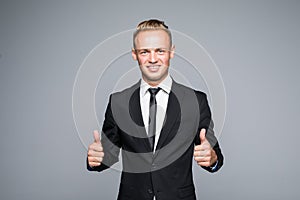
(255, 45)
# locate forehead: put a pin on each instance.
(152, 39)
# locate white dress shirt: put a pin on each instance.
(162, 98)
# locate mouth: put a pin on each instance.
(153, 68)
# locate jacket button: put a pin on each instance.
(150, 191)
(153, 166)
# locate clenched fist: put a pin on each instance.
(204, 154)
(95, 151)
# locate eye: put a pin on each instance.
(143, 52)
(161, 51)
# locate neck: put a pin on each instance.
(154, 83)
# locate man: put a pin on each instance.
(159, 124)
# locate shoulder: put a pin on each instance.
(126, 92)
(199, 94)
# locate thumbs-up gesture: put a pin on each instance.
(95, 151)
(204, 155)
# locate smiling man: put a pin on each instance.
(159, 125)
(153, 51)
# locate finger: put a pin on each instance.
(204, 164)
(94, 164)
(199, 154)
(205, 153)
(95, 154)
(95, 159)
(202, 135)
(96, 147)
(96, 136)
(204, 146)
(201, 160)
(198, 148)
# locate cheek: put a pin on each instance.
(166, 61)
(142, 60)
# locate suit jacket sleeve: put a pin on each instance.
(110, 140)
(206, 122)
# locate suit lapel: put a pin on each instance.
(173, 114)
(136, 115)
(135, 108)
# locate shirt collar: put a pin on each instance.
(165, 85)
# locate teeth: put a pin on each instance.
(154, 67)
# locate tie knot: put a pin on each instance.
(153, 91)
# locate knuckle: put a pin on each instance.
(90, 153)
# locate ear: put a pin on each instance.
(172, 52)
(133, 53)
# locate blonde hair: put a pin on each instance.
(150, 25)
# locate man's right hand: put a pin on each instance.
(95, 151)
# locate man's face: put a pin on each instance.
(153, 53)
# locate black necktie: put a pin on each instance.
(152, 116)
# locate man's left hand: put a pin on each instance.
(204, 154)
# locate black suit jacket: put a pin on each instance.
(167, 173)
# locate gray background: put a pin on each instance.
(254, 43)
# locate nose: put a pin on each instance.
(152, 57)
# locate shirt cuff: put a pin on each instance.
(214, 168)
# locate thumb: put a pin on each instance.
(202, 135)
(96, 136)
